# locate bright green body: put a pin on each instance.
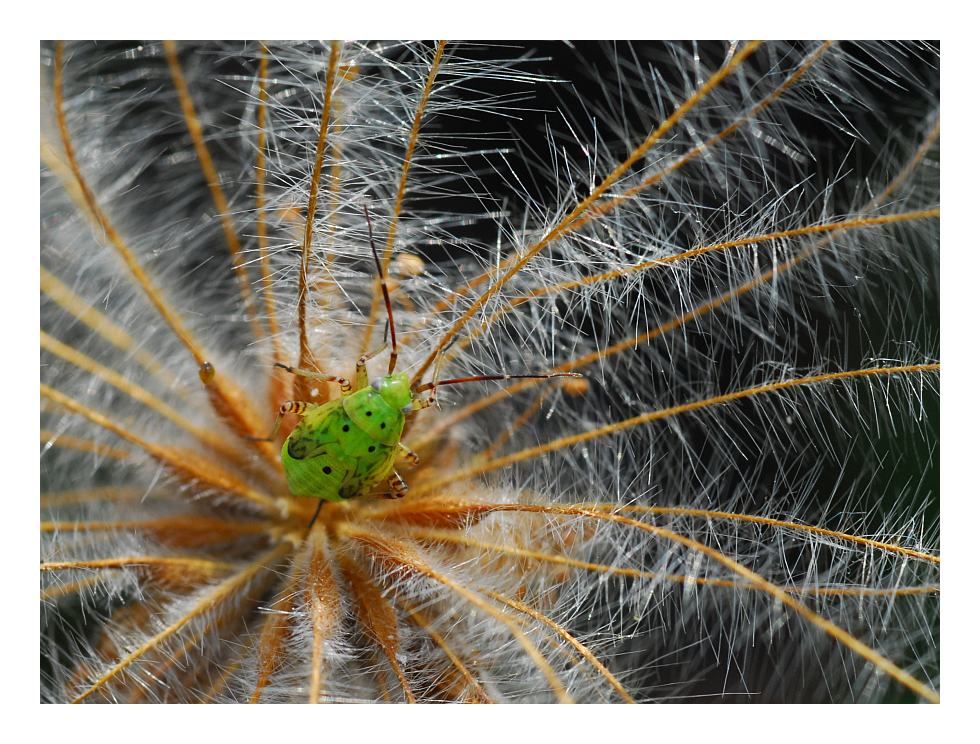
(343, 448)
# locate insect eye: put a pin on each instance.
(376, 384)
(407, 409)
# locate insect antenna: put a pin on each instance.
(384, 290)
(481, 378)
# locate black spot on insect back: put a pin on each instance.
(327, 470)
(346, 427)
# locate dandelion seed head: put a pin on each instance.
(737, 498)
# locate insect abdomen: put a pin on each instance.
(330, 456)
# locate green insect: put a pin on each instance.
(345, 447)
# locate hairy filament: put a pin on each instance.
(272, 636)
(322, 599)
(196, 522)
(301, 386)
(611, 203)
(198, 565)
(220, 682)
(827, 626)
(114, 237)
(229, 615)
(100, 324)
(717, 400)
(61, 590)
(607, 205)
(261, 226)
(347, 72)
(50, 438)
(181, 462)
(227, 400)
(138, 393)
(214, 182)
(703, 309)
(825, 228)
(562, 227)
(405, 555)
(400, 192)
(376, 616)
(709, 514)
(457, 538)
(908, 169)
(79, 496)
(576, 644)
(421, 621)
(513, 427)
(209, 602)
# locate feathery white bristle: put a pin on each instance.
(851, 455)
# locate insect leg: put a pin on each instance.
(408, 454)
(360, 373)
(290, 406)
(398, 487)
(315, 514)
(344, 383)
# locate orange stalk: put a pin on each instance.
(376, 615)
(400, 192)
(780, 595)
(563, 633)
(606, 206)
(210, 601)
(712, 514)
(261, 226)
(602, 431)
(274, 631)
(322, 599)
(301, 387)
(404, 555)
(182, 462)
(50, 438)
(562, 227)
(81, 496)
(214, 182)
(421, 621)
(201, 566)
(227, 400)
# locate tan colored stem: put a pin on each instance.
(717, 400)
(562, 227)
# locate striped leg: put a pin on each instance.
(360, 372)
(398, 487)
(408, 454)
(344, 383)
(298, 407)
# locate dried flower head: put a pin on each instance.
(735, 244)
